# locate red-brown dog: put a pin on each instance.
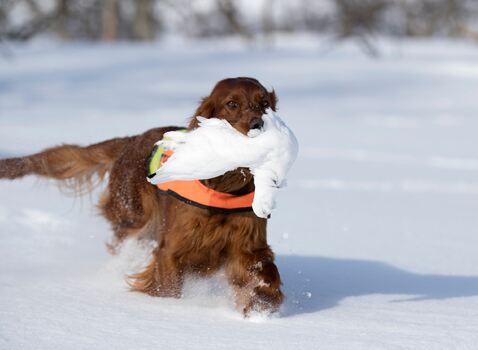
(190, 239)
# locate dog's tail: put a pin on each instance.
(79, 168)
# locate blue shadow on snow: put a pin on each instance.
(312, 284)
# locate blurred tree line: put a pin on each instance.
(110, 20)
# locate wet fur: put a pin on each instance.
(189, 240)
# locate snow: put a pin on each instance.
(375, 235)
(215, 147)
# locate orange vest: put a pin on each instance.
(193, 192)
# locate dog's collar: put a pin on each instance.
(193, 192)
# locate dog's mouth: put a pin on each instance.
(254, 132)
(256, 126)
(250, 128)
(236, 182)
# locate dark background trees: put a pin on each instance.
(111, 20)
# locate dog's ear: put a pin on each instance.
(205, 109)
(273, 99)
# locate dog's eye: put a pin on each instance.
(232, 104)
(265, 104)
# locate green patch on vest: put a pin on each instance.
(155, 160)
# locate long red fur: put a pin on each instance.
(189, 240)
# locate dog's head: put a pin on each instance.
(240, 101)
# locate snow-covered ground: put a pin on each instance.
(376, 236)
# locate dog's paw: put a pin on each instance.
(254, 313)
(264, 300)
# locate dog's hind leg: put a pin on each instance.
(133, 212)
(161, 278)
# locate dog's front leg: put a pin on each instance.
(256, 281)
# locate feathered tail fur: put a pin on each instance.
(79, 167)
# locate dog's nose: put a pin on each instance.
(256, 123)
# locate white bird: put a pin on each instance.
(215, 147)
